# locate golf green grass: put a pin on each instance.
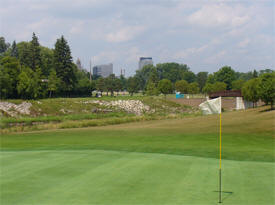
(111, 177)
(156, 162)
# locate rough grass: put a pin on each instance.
(76, 113)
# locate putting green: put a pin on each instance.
(117, 177)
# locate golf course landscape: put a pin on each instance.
(168, 161)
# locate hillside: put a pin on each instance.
(21, 115)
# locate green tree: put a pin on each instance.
(5, 83)
(193, 88)
(63, 64)
(132, 85)
(211, 79)
(219, 86)
(123, 82)
(201, 79)
(237, 84)
(227, 75)
(110, 84)
(53, 83)
(100, 84)
(250, 91)
(24, 53)
(165, 86)
(181, 86)
(189, 76)
(3, 45)
(47, 58)
(151, 89)
(267, 88)
(10, 68)
(171, 71)
(14, 50)
(35, 53)
(29, 85)
(117, 85)
(208, 88)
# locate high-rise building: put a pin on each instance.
(144, 61)
(103, 70)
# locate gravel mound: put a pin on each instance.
(131, 106)
(13, 110)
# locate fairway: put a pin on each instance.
(111, 177)
(156, 162)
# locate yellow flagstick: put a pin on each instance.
(220, 169)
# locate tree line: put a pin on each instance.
(29, 71)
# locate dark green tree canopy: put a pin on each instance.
(63, 64)
(227, 75)
(35, 53)
(14, 50)
(165, 86)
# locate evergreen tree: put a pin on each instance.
(3, 45)
(14, 50)
(64, 66)
(35, 53)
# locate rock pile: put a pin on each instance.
(131, 106)
(13, 110)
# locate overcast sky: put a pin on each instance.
(205, 35)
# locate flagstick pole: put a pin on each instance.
(220, 169)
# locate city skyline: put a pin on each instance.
(205, 35)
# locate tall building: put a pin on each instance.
(103, 70)
(144, 61)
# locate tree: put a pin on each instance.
(14, 50)
(132, 85)
(10, 68)
(35, 54)
(24, 53)
(123, 82)
(237, 84)
(143, 75)
(3, 45)
(250, 91)
(267, 88)
(117, 85)
(171, 71)
(5, 83)
(47, 57)
(182, 86)
(100, 84)
(151, 88)
(193, 88)
(227, 75)
(110, 84)
(201, 79)
(208, 88)
(29, 84)
(189, 76)
(64, 66)
(219, 86)
(52, 83)
(165, 87)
